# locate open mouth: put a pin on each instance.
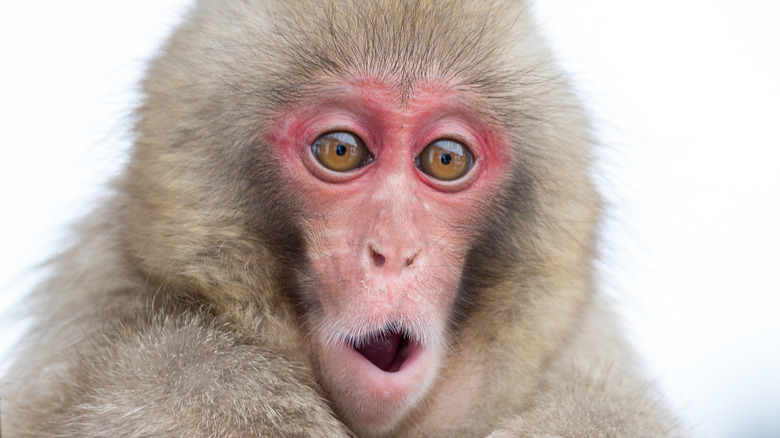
(386, 349)
(377, 377)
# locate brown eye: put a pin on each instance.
(340, 151)
(445, 159)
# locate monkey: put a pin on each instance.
(340, 218)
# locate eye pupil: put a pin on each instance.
(341, 150)
(446, 159)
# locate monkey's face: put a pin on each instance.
(394, 185)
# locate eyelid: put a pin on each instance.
(452, 128)
(338, 121)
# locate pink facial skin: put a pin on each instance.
(386, 242)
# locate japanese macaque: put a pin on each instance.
(340, 218)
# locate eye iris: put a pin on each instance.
(445, 159)
(340, 151)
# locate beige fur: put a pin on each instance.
(176, 313)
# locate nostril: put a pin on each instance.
(379, 259)
(409, 261)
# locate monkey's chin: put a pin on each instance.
(372, 400)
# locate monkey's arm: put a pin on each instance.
(593, 389)
(595, 405)
(181, 376)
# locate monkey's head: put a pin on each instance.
(389, 171)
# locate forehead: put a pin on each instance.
(382, 94)
(407, 45)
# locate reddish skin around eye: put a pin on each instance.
(386, 243)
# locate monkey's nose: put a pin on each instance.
(379, 258)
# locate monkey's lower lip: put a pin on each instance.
(387, 351)
(378, 376)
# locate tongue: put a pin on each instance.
(382, 352)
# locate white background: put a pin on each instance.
(685, 96)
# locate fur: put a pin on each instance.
(182, 309)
